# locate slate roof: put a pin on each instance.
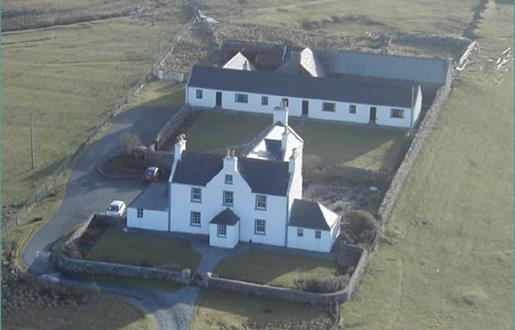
(197, 169)
(265, 56)
(155, 197)
(226, 217)
(263, 176)
(308, 214)
(408, 68)
(335, 89)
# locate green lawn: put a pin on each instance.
(451, 262)
(275, 268)
(145, 249)
(373, 148)
(69, 78)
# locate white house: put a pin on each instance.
(385, 103)
(256, 197)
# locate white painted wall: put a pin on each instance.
(308, 241)
(151, 220)
(341, 113)
(244, 207)
(417, 107)
(383, 117)
(230, 240)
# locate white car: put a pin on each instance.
(116, 208)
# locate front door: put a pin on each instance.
(305, 107)
(219, 99)
(373, 111)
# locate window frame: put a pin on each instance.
(199, 94)
(244, 98)
(256, 224)
(318, 234)
(332, 106)
(219, 232)
(300, 232)
(139, 213)
(194, 224)
(194, 200)
(263, 208)
(224, 201)
(228, 181)
(352, 109)
(264, 100)
(394, 111)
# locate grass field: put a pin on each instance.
(275, 268)
(377, 149)
(450, 262)
(347, 18)
(221, 309)
(144, 250)
(109, 312)
(69, 79)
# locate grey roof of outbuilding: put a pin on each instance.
(226, 217)
(307, 214)
(409, 68)
(155, 197)
(263, 176)
(331, 89)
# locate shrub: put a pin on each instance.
(329, 285)
(129, 143)
(359, 227)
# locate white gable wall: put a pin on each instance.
(151, 220)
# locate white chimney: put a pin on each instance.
(245, 65)
(281, 115)
(180, 147)
(231, 161)
(293, 161)
(284, 140)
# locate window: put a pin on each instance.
(195, 219)
(140, 213)
(196, 195)
(198, 93)
(261, 202)
(264, 100)
(221, 230)
(300, 232)
(318, 234)
(328, 106)
(228, 198)
(260, 227)
(228, 179)
(397, 113)
(241, 98)
(284, 102)
(352, 108)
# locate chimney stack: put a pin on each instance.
(281, 115)
(231, 161)
(294, 161)
(180, 147)
(245, 65)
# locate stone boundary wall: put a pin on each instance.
(92, 267)
(293, 295)
(351, 175)
(171, 127)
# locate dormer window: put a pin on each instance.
(228, 179)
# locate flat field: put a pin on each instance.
(447, 259)
(377, 149)
(275, 268)
(69, 78)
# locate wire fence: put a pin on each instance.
(45, 188)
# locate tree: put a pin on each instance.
(129, 143)
(359, 227)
